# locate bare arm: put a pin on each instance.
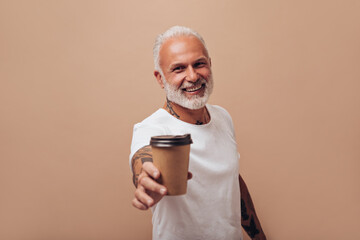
(249, 219)
(140, 157)
(148, 192)
(145, 176)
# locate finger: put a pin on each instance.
(136, 203)
(189, 176)
(150, 185)
(150, 169)
(143, 197)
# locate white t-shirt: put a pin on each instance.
(211, 207)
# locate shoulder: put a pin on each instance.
(144, 130)
(218, 111)
(152, 120)
(153, 123)
(221, 118)
(156, 117)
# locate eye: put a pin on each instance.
(178, 69)
(200, 64)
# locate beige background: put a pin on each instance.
(76, 75)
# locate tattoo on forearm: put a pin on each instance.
(171, 110)
(251, 228)
(146, 159)
(244, 214)
(141, 156)
(135, 178)
(249, 220)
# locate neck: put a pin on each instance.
(197, 116)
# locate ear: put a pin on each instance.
(159, 78)
(210, 61)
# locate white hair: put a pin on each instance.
(174, 31)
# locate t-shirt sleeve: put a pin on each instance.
(226, 117)
(142, 134)
(231, 124)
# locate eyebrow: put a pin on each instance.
(175, 65)
(201, 59)
(172, 66)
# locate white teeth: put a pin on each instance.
(193, 89)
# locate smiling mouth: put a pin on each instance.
(194, 89)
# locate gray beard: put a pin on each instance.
(177, 95)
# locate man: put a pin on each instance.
(212, 207)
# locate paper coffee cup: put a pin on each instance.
(171, 157)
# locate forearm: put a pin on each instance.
(145, 175)
(144, 154)
(249, 219)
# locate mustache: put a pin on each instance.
(200, 81)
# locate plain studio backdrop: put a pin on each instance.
(76, 75)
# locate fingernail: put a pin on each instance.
(162, 191)
(156, 174)
(149, 202)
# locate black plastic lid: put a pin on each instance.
(170, 140)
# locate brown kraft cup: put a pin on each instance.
(171, 157)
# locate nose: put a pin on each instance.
(191, 74)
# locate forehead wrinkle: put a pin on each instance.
(175, 45)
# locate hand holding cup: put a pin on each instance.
(149, 191)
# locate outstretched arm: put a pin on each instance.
(249, 219)
(145, 176)
(143, 155)
(148, 192)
